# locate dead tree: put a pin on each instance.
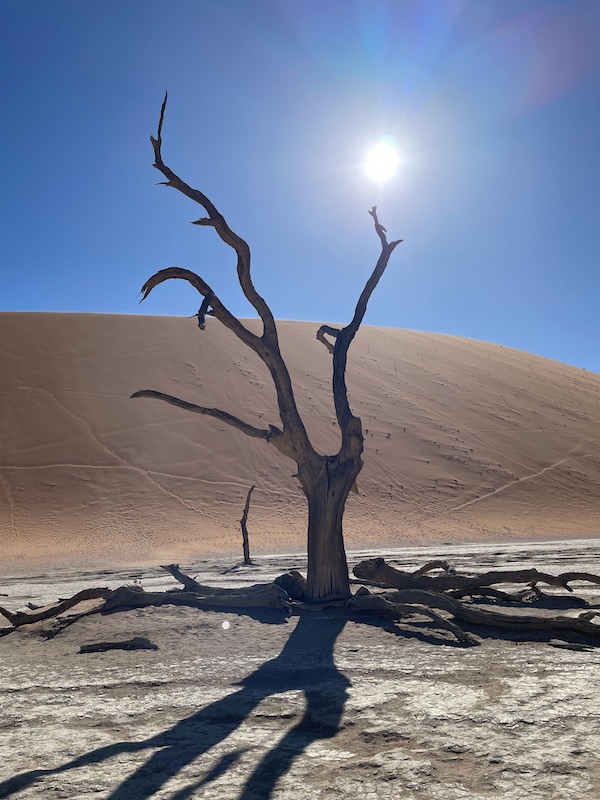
(326, 480)
(244, 527)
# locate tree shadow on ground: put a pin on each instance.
(424, 630)
(305, 664)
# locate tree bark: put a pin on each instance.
(244, 527)
(262, 596)
(399, 602)
(327, 572)
(378, 571)
(18, 618)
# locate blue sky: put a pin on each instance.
(273, 105)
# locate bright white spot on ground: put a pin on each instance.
(225, 625)
(382, 161)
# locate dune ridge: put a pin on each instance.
(464, 440)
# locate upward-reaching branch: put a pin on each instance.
(386, 252)
(344, 337)
(217, 221)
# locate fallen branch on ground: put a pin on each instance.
(260, 596)
(399, 603)
(396, 593)
(191, 585)
(19, 618)
(377, 570)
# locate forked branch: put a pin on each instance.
(327, 330)
(386, 252)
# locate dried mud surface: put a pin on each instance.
(315, 707)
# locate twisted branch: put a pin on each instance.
(217, 221)
(414, 601)
(18, 618)
(329, 331)
(220, 311)
(377, 570)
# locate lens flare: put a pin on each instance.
(382, 161)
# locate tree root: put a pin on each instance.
(396, 593)
(376, 569)
(398, 603)
(363, 600)
(419, 591)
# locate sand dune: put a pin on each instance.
(464, 440)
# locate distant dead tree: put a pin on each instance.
(244, 527)
(326, 480)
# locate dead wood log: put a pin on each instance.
(376, 569)
(191, 585)
(531, 595)
(243, 521)
(476, 616)
(528, 595)
(137, 643)
(261, 596)
(431, 565)
(363, 600)
(294, 584)
(18, 618)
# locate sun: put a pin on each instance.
(382, 161)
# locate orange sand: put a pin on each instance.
(463, 440)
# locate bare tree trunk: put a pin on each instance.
(327, 574)
(243, 521)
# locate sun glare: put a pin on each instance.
(382, 161)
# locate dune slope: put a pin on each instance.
(463, 440)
